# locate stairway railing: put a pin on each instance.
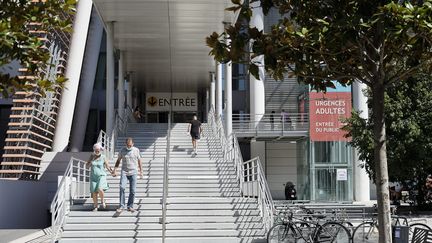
(165, 180)
(107, 143)
(255, 186)
(121, 123)
(74, 184)
(250, 174)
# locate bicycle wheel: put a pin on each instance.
(349, 226)
(416, 225)
(366, 232)
(281, 233)
(333, 232)
(304, 231)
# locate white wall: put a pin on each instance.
(258, 150)
(54, 165)
(281, 159)
(23, 205)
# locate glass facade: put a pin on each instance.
(331, 171)
(303, 170)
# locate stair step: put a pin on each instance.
(192, 206)
(127, 217)
(158, 233)
(188, 168)
(137, 194)
(203, 204)
(170, 240)
(113, 204)
(157, 226)
(211, 200)
(155, 213)
(202, 194)
(222, 177)
(144, 190)
(113, 226)
(174, 187)
(180, 200)
(110, 201)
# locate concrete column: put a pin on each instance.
(361, 178)
(228, 92)
(207, 102)
(120, 85)
(228, 98)
(135, 97)
(218, 89)
(129, 92)
(212, 90)
(110, 78)
(86, 83)
(73, 72)
(258, 149)
(257, 92)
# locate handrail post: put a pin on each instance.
(63, 199)
(165, 180)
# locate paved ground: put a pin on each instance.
(8, 235)
(425, 219)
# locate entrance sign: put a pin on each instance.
(341, 174)
(179, 101)
(327, 112)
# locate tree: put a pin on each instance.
(379, 43)
(20, 23)
(407, 113)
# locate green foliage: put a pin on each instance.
(408, 117)
(18, 18)
(371, 41)
(380, 43)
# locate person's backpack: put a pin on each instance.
(290, 191)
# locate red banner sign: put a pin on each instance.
(327, 112)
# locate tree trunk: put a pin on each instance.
(380, 159)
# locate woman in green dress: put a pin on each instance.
(98, 181)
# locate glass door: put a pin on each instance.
(332, 184)
(152, 117)
(331, 171)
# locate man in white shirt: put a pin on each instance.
(130, 157)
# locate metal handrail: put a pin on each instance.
(270, 123)
(165, 180)
(121, 123)
(129, 113)
(65, 194)
(255, 185)
(250, 174)
(106, 141)
(74, 184)
(215, 122)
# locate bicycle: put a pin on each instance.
(307, 231)
(367, 232)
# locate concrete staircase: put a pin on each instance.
(203, 204)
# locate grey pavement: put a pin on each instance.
(8, 235)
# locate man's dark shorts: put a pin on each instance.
(195, 136)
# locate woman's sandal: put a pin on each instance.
(104, 204)
(95, 208)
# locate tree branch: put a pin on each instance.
(396, 77)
